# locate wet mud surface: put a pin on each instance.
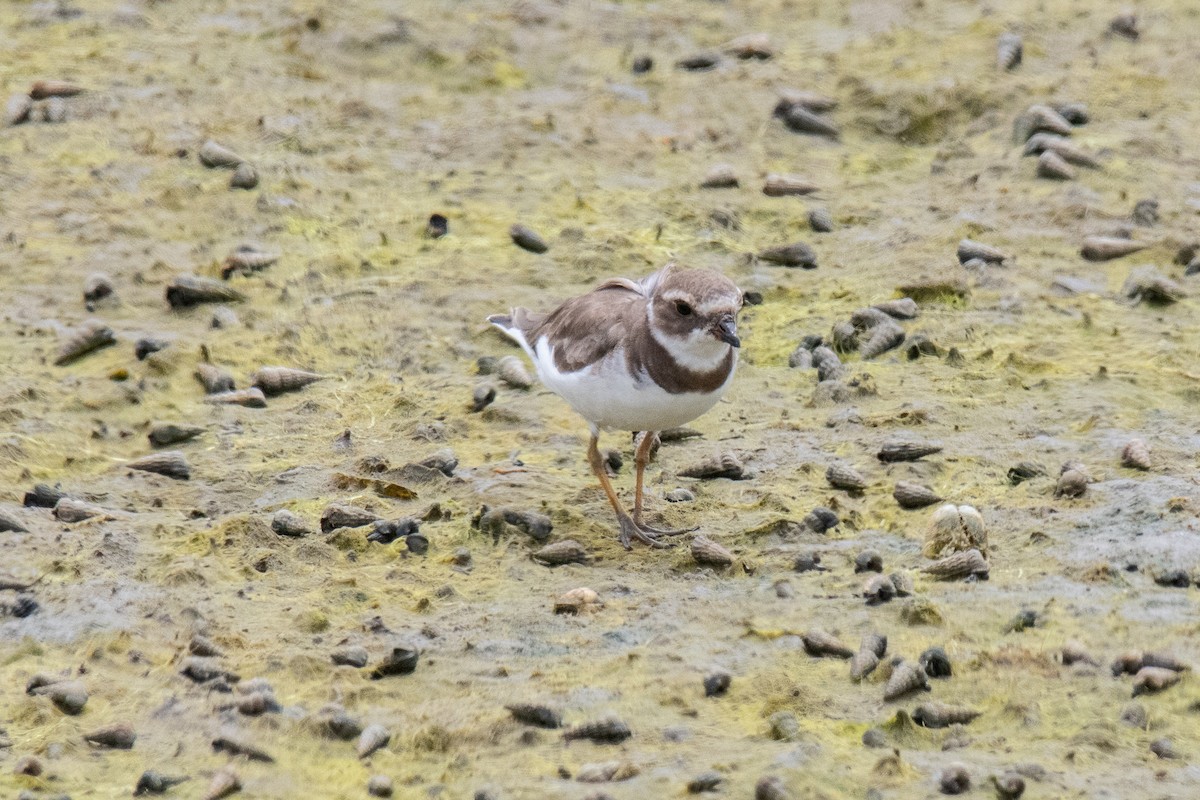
(361, 120)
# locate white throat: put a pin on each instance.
(699, 351)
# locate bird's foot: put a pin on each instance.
(648, 536)
(656, 532)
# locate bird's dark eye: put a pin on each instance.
(683, 308)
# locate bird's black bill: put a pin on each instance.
(726, 331)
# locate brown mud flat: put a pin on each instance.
(359, 124)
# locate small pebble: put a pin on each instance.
(379, 786)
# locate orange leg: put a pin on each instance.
(630, 530)
(641, 458)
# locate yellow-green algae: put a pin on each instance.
(505, 112)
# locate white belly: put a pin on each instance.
(606, 395)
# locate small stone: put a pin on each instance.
(379, 786)
(717, 683)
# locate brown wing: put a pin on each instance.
(587, 328)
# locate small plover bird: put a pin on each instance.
(639, 356)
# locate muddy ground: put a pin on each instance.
(362, 119)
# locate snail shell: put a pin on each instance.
(907, 451)
(954, 779)
(1150, 680)
(340, 515)
(247, 260)
(534, 714)
(1040, 118)
(577, 600)
(119, 737)
(818, 643)
(876, 643)
(1148, 284)
(913, 495)
(801, 358)
(1105, 248)
(401, 660)
(843, 477)
(844, 337)
(936, 663)
(771, 788)
(1009, 786)
(884, 337)
(799, 119)
(609, 730)
(796, 254)
(878, 589)
(1071, 483)
(215, 155)
(955, 528)
(203, 646)
(527, 239)
(70, 510)
(698, 62)
(244, 177)
(1066, 149)
(68, 697)
(10, 522)
(17, 109)
(371, 739)
(1023, 471)
(1008, 51)
(721, 176)
(353, 656)
(1073, 112)
(380, 786)
(1125, 24)
(482, 397)
(152, 782)
(189, 290)
(258, 703)
(903, 308)
(958, 565)
(941, 715)
(92, 335)
(286, 523)
(1075, 653)
(868, 561)
(250, 398)
(171, 463)
(97, 286)
(706, 552)
(44, 89)
(278, 380)
(1051, 165)
(214, 379)
(164, 434)
(568, 551)
(906, 677)
(820, 520)
(969, 249)
(820, 220)
(903, 583)
(223, 784)
(1164, 748)
(1136, 455)
(725, 465)
(512, 371)
(752, 45)
(862, 664)
(787, 185)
